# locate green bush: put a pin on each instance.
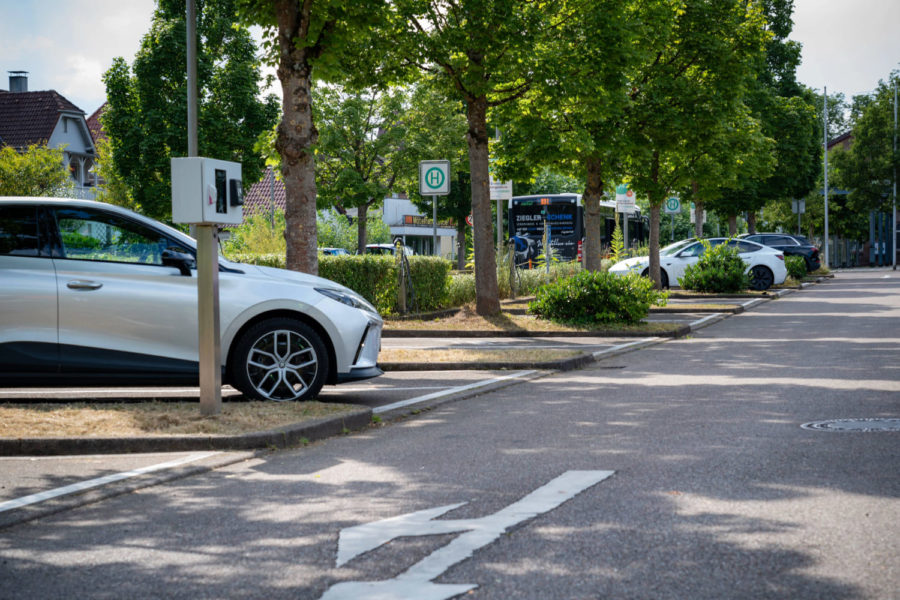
(720, 269)
(593, 298)
(376, 277)
(460, 289)
(796, 266)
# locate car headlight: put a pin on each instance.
(349, 299)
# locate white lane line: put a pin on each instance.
(339, 389)
(92, 483)
(448, 392)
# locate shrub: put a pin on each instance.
(460, 289)
(592, 298)
(796, 266)
(719, 269)
(376, 277)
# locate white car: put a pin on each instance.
(96, 294)
(765, 265)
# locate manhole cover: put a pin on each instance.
(865, 425)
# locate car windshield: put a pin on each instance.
(674, 248)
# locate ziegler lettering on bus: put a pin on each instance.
(565, 225)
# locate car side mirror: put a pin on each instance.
(180, 260)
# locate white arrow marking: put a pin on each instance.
(416, 582)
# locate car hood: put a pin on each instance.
(631, 264)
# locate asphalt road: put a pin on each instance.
(717, 491)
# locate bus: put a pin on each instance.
(565, 226)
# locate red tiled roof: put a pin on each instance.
(29, 117)
(258, 199)
(93, 123)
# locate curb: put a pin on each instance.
(463, 333)
(281, 437)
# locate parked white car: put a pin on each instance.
(93, 293)
(765, 265)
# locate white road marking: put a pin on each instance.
(92, 483)
(416, 581)
(700, 322)
(448, 392)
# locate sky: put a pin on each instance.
(66, 45)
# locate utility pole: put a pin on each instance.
(894, 204)
(825, 115)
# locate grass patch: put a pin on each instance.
(154, 418)
(467, 320)
(473, 356)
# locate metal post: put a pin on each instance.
(207, 255)
(672, 227)
(192, 78)
(625, 233)
(894, 203)
(434, 247)
(499, 223)
(825, 115)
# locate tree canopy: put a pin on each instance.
(36, 171)
(146, 118)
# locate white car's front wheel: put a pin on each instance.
(280, 359)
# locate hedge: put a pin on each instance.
(376, 278)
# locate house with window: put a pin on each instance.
(47, 117)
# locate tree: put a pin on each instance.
(691, 86)
(146, 119)
(112, 189)
(486, 54)
(868, 169)
(38, 171)
(326, 39)
(573, 115)
(361, 150)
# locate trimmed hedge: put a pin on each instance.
(376, 278)
(594, 298)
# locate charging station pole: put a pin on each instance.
(207, 254)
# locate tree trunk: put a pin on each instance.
(732, 225)
(461, 244)
(751, 221)
(361, 221)
(487, 294)
(591, 251)
(296, 136)
(698, 211)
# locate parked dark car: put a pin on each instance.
(791, 245)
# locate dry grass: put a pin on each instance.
(154, 418)
(397, 355)
(467, 320)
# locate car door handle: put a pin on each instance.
(84, 285)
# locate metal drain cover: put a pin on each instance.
(864, 425)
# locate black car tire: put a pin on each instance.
(279, 359)
(761, 278)
(663, 277)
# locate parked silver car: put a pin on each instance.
(92, 293)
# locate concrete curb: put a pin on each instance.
(282, 437)
(463, 333)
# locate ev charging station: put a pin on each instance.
(207, 192)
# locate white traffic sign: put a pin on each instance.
(625, 199)
(434, 177)
(673, 206)
(500, 190)
(416, 582)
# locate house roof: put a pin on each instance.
(258, 199)
(29, 117)
(94, 125)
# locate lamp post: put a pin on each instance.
(825, 116)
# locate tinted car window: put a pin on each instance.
(693, 250)
(92, 235)
(19, 230)
(743, 246)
